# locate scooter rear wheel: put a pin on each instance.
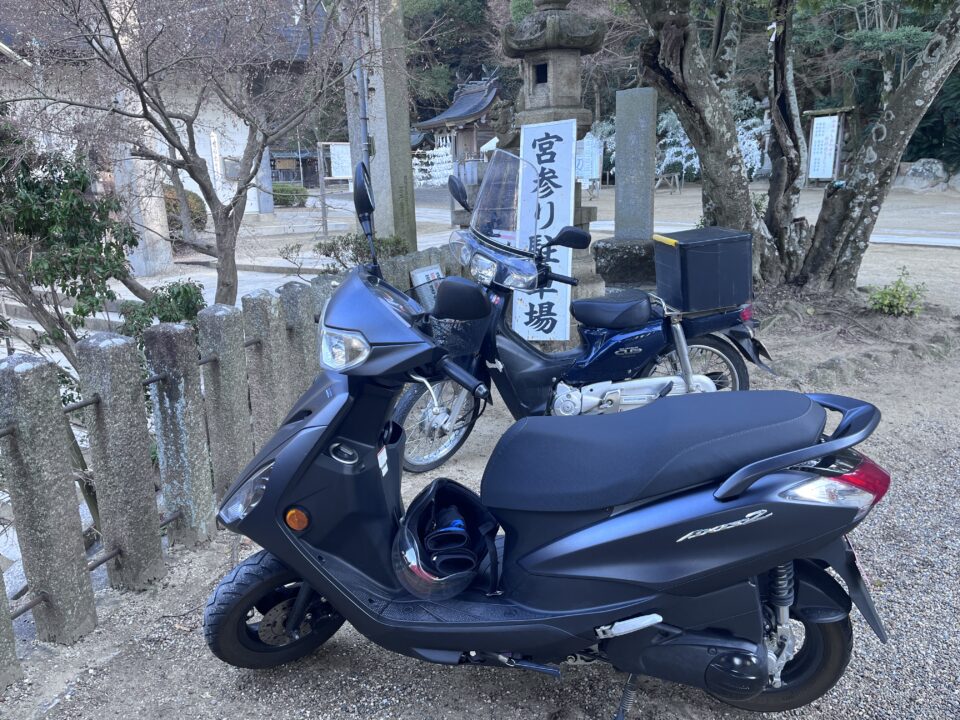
(817, 666)
(711, 356)
(244, 619)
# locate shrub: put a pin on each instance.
(899, 297)
(289, 195)
(176, 302)
(195, 204)
(352, 249)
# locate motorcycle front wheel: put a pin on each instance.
(711, 356)
(431, 440)
(245, 617)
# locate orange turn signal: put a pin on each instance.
(297, 519)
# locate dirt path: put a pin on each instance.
(148, 659)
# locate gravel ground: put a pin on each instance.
(148, 659)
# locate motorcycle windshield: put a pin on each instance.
(505, 214)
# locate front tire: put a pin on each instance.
(428, 447)
(812, 672)
(245, 615)
(711, 356)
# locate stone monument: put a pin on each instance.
(549, 43)
(628, 256)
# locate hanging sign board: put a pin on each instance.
(824, 136)
(340, 166)
(550, 149)
(589, 158)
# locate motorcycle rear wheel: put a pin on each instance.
(710, 356)
(812, 672)
(423, 452)
(243, 622)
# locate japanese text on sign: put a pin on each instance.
(549, 150)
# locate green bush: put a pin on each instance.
(289, 195)
(899, 297)
(178, 301)
(352, 249)
(195, 204)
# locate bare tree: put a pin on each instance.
(165, 75)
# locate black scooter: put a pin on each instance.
(699, 557)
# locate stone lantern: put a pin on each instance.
(549, 43)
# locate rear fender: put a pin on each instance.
(752, 349)
(819, 598)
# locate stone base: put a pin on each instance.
(625, 261)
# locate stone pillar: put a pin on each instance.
(120, 456)
(35, 463)
(9, 665)
(138, 181)
(388, 113)
(226, 395)
(265, 371)
(171, 350)
(297, 314)
(628, 257)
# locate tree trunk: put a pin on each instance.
(726, 42)
(226, 221)
(850, 208)
(673, 63)
(788, 151)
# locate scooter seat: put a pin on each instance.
(591, 462)
(628, 310)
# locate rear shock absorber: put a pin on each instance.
(782, 591)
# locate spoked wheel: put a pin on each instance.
(245, 620)
(432, 438)
(710, 356)
(819, 659)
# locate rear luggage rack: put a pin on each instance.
(859, 420)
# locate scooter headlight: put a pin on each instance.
(483, 269)
(461, 251)
(245, 499)
(342, 349)
(519, 280)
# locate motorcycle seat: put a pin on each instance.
(591, 462)
(627, 310)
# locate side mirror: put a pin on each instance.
(459, 192)
(460, 299)
(362, 191)
(571, 237)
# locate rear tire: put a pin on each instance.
(812, 672)
(262, 587)
(711, 356)
(422, 454)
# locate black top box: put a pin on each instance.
(704, 269)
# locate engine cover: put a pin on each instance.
(610, 397)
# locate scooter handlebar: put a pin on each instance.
(463, 378)
(556, 277)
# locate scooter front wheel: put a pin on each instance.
(432, 436)
(245, 620)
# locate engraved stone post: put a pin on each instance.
(9, 665)
(36, 466)
(268, 397)
(120, 456)
(171, 350)
(297, 312)
(225, 393)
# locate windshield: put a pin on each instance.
(506, 209)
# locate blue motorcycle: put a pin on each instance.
(635, 348)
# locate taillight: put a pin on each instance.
(746, 313)
(870, 477)
(861, 487)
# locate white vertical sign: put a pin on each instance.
(589, 158)
(823, 147)
(549, 150)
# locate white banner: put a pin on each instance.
(550, 148)
(823, 147)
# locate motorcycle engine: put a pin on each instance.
(567, 401)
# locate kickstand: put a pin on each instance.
(628, 698)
